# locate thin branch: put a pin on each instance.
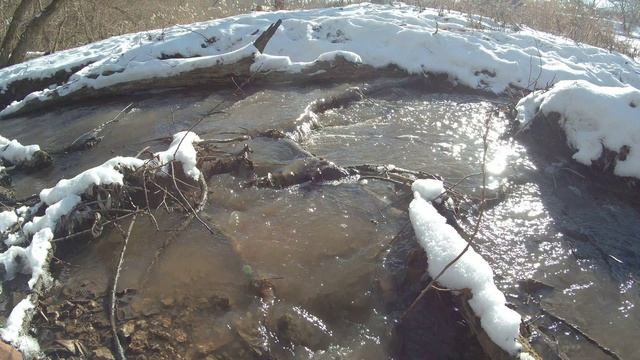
(112, 314)
(175, 184)
(475, 230)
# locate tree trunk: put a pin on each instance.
(12, 31)
(31, 31)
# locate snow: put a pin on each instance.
(109, 172)
(105, 174)
(52, 214)
(374, 35)
(14, 152)
(442, 243)
(61, 200)
(593, 117)
(7, 219)
(429, 188)
(182, 150)
(15, 333)
(30, 260)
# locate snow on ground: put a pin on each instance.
(593, 117)
(442, 243)
(61, 200)
(14, 152)
(377, 35)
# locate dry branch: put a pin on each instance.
(113, 307)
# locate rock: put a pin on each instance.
(298, 327)
(7, 195)
(139, 342)
(5, 178)
(102, 353)
(39, 160)
(168, 301)
(127, 329)
(220, 303)
(8, 352)
(180, 336)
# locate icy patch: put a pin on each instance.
(14, 152)
(593, 117)
(442, 243)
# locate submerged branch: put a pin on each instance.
(112, 312)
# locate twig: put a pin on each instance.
(112, 314)
(95, 132)
(204, 190)
(87, 231)
(206, 39)
(397, 182)
(475, 230)
(175, 184)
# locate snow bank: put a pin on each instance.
(375, 35)
(593, 117)
(442, 243)
(14, 152)
(60, 201)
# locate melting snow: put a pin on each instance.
(593, 117)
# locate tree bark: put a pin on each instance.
(12, 32)
(31, 31)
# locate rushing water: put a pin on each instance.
(321, 245)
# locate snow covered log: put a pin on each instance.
(320, 44)
(483, 305)
(19, 89)
(161, 73)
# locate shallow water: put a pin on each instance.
(320, 244)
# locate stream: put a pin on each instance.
(563, 249)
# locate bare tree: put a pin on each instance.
(19, 15)
(629, 12)
(31, 31)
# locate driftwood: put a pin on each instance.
(221, 75)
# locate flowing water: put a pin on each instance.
(323, 247)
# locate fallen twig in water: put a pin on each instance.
(112, 313)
